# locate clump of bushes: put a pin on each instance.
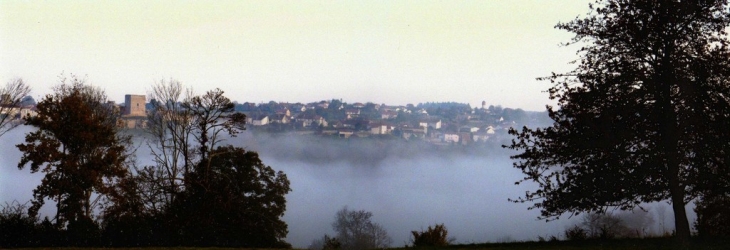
(576, 233)
(17, 228)
(433, 236)
(602, 225)
(331, 243)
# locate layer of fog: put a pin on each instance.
(406, 186)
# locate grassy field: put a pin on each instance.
(628, 244)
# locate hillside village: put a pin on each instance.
(436, 123)
(447, 123)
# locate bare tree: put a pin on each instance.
(10, 98)
(184, 129)
(169, 126)
(356, 231)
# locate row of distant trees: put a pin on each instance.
(196, 192)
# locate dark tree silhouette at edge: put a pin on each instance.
(642, 118)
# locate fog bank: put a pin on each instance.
(406, 186)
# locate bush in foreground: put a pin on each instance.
(433, 236)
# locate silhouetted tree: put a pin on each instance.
(213, 114)
(184, 128)
(233, 200)
(646, 107)
(79, 148)
(355, 230)
(11, 97)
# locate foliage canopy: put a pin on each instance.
(239, 201)
(79, 148)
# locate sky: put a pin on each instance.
(392, 52)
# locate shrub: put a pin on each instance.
(17, 228)
(325, 243)
(434, 236)
(83, 232)
(331, 243)
(576, 233)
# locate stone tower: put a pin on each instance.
(134, 105)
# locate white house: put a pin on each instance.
(380, 129)
(260, 120)
(430, 123)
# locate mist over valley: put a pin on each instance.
(407, 185)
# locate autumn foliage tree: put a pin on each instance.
(79, 148)
(642, 118)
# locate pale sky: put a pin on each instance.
(393, 52)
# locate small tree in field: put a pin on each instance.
(355, 230)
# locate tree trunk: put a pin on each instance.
(681, 224)
(670, 137)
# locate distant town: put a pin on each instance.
(438, 123)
